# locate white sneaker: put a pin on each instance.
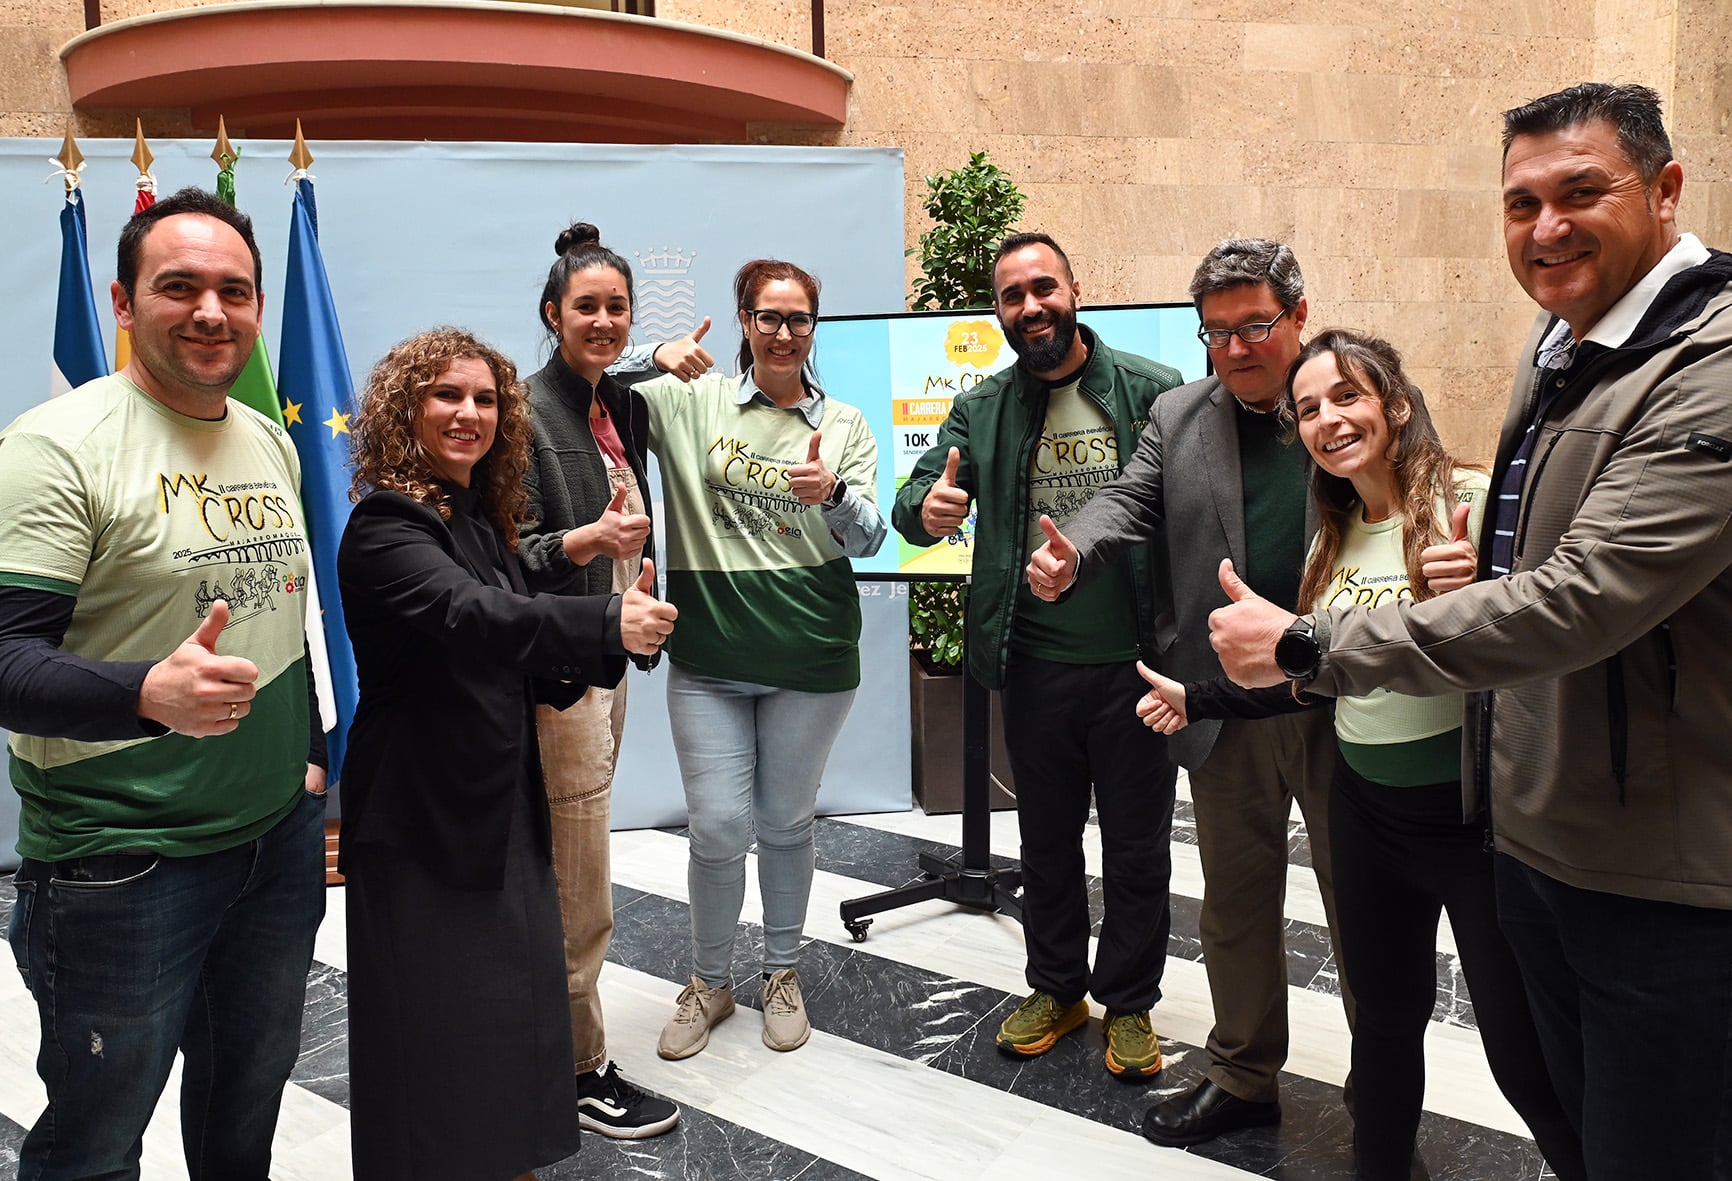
(785, 1024)
(701, 1009)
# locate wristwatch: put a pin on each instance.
(837, 493)
(1297, 652)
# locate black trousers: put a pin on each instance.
(1402, 855)
(1633, 1000)
(1070, 728)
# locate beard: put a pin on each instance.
(1043, 356)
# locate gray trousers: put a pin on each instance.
(1242, 797)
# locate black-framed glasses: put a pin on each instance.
(1217, 338)
(770, 322)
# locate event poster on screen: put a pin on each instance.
(903, 371)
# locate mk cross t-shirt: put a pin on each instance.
(147, 517)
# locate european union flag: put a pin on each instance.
(318, 400)
(78, 352)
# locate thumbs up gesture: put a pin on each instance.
(1163, 706)
(946, 505)
(645, 622)
(811, 482)
(1244, 632)
(1051, 568)
(685, 358)
(615, 534)
(195, 691)
(1454, 563)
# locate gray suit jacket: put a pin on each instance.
(1184, 480)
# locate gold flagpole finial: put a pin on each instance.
(224, 153)
(300, 157)
(70, 159)
(141, 156)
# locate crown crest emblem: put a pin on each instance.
(665, 260)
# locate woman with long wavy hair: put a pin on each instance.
(1398, 518)
(459, 1040)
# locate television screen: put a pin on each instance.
(903, 370)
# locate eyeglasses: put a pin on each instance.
(769, 323)
(1218, 338)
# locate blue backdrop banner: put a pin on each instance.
(419, 234)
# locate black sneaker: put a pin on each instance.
(606, 1103)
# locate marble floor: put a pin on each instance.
(901, 1078)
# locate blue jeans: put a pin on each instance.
(750, 757)
(132, 957)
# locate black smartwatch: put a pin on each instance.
(837, 493)
(1297, 653)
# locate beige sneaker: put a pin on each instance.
(701, 1009)
(785, 1024)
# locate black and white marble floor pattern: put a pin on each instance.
(901, 1078)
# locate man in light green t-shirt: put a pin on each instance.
(153, 570)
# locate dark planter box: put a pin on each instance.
(935, 702)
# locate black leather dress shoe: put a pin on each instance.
(1202, 1113)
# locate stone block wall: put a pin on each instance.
(1365, 132)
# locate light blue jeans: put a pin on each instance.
(750, 757)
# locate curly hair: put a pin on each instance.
(1424, 469)
(386, 448)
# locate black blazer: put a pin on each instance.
(451, 666)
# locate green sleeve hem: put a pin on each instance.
(58, 586)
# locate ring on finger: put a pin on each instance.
(234, 710)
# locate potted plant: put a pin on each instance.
(972, 209)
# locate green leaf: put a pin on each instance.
(973, 209)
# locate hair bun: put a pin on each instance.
(579, 234)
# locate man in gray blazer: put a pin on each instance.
(1212, 472)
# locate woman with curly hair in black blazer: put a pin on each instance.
(459, 1042)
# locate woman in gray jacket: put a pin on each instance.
(589, 533)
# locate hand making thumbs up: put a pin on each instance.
(1163, 706)
(1454, 563)
(645, 622)
(1245, 631)
(1051, 568)
(685, 358)
(811, 482)
(946, 505)
(616, 534)
(196, 691)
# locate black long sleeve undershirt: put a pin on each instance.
(48, 691)
(1219, 697)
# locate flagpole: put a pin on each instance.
(142, 160)
(226, 156)
(71, 162)
(318, 400)
(254, 387)
(78, 353)
(146, 186)
(317, 645)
